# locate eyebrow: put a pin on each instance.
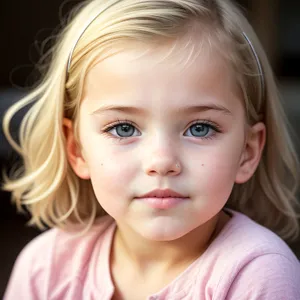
(184, 110)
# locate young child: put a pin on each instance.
(190, 200)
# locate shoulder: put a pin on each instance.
(247, 239)
(56, 245)
(254, 263)
(269, 276)
(55, 255)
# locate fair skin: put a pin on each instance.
(154, 246)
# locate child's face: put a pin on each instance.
(161, 93)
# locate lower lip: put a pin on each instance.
(163, 203)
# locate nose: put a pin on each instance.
(162, 160)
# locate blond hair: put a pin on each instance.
(46, 184)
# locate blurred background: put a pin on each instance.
(24, 25)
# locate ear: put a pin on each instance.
(250, 158)
(74, 153)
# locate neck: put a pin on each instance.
(144, 254)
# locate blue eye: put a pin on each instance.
(124, 130)
(121, 130)
(200, 129)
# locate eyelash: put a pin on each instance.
(216, 128)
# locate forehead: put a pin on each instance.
(170, 69)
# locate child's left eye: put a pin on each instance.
(202, 130)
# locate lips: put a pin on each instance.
(167, 193)
(162, 199)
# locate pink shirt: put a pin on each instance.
(245, 261)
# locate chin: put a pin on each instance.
(164, 233)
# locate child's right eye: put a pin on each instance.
(121, 130)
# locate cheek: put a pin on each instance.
(217, 170)
(223, 164)
(111, 174)
(110, 183)
(114, 167)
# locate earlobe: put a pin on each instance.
(74, 152)
(252, 152)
